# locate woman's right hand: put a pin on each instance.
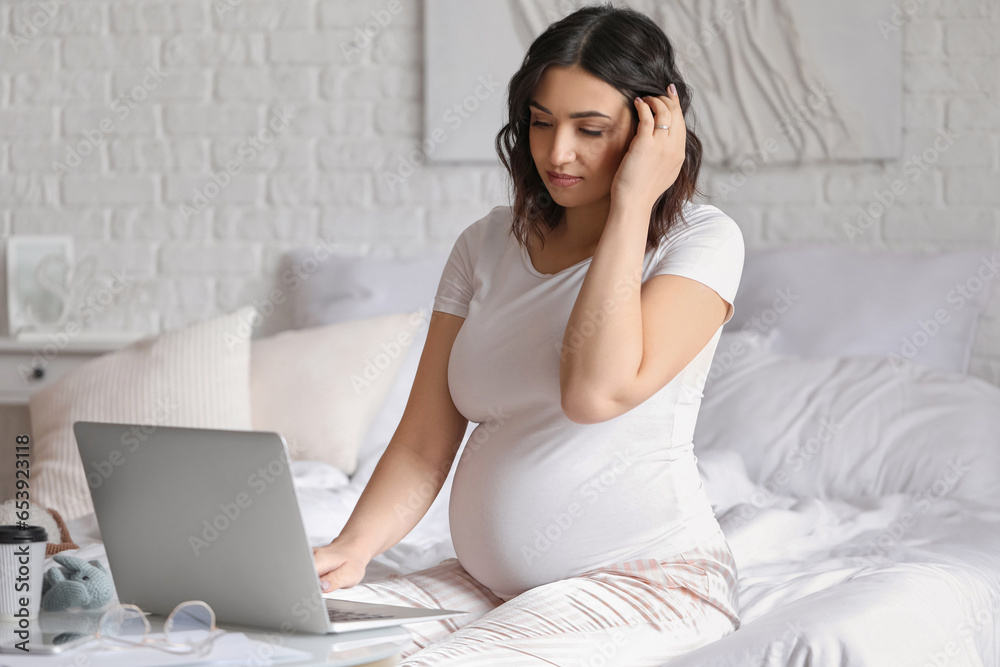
(338, 566)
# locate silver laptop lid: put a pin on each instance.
(202, 514)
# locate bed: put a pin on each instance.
(852, 460)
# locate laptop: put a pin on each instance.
(211, 514)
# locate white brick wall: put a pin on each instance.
(171, 91)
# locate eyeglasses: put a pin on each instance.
(190, 628)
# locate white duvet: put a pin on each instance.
(877, 544)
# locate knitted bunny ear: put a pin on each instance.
(71, 563)
(64, 541)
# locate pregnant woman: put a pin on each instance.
(576, 327)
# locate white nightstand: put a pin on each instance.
(25, 367)
(28, 365)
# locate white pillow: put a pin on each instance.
(391, 412)
(831, 300)
(196, 376)
(718, 467)
(321, 387)
(735, 347)
(855, 426)
(344, 288)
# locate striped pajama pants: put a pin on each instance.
(636, 613)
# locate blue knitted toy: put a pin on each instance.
(84, 584)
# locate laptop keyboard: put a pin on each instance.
(340, 615)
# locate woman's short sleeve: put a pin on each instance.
(455, 288)
(708, 248)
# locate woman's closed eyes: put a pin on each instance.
(592, 133)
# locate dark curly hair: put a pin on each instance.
(627, 50)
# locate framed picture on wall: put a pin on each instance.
(771, 80)
(39, 271)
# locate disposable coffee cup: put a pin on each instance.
(22, 559)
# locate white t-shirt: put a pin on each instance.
(537, 497)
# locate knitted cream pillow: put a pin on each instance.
(322, 386)
(197, 376)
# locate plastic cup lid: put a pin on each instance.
(16, 534)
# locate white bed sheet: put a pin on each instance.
(871, 581)
(822, 581)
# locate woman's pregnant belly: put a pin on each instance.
(529, 507)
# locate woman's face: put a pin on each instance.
(590, 147)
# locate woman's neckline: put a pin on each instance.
(535, 272)
(530, 267)
(526, 258)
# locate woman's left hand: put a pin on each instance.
(654, 158)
